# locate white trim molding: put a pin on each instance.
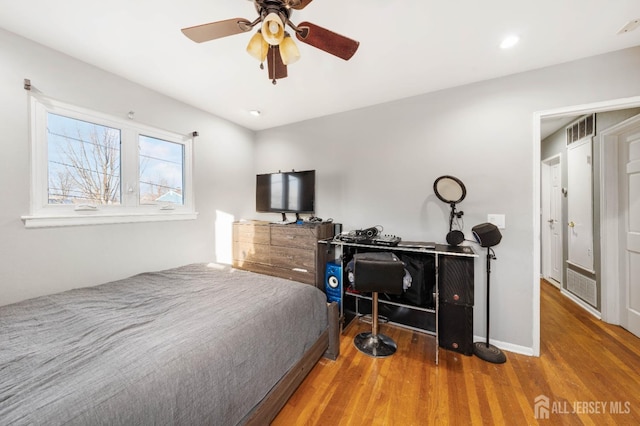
(42, 221)
(609, 228)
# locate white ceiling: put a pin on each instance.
(407, 47)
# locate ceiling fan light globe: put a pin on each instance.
(289, 51)
(258, 47)
(273, 29)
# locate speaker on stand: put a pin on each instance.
(488, 235)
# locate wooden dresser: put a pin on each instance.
(287, 251)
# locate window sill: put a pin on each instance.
(50, 221)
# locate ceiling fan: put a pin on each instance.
(272, 42)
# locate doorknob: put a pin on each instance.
(550, 221)
(571, 224)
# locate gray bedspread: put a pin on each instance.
(199, 344)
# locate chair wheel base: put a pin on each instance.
(379, 346)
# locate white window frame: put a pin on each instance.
(129, 210)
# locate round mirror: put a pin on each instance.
(449, 189)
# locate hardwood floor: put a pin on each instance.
(588, 370)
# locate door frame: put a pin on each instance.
(546, 242)
(611, 105)
(613, 294)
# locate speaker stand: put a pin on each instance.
(487, 351)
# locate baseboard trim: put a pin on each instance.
(584, 305)
(506, 346)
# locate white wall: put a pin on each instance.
(41, 261)
(377, 166)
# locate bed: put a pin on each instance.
(198, 344)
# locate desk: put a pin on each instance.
(439, 303)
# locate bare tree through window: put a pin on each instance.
(84, 162)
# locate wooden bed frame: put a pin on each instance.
(327, 345)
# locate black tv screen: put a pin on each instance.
(286, 192)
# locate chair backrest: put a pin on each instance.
(381, 272)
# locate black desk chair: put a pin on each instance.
(377, 272)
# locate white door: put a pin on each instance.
(551, 221)
(630, 206)
(580, 204)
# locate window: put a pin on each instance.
(161, 171)
(90, 168)
(83, 162)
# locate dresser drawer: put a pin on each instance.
(250, 252)
(293, 258)
(293, 274)
(251, 233)
(293, 236)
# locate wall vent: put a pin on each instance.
(582, 286)
(581, 128)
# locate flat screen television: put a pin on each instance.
(286, 192)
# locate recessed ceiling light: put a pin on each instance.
(509, 41)
(255, 112)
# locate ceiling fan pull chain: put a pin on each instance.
(272, 51)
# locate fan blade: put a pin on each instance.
(326, 40)
(219, 29)
(301, 4)
(277, 69)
